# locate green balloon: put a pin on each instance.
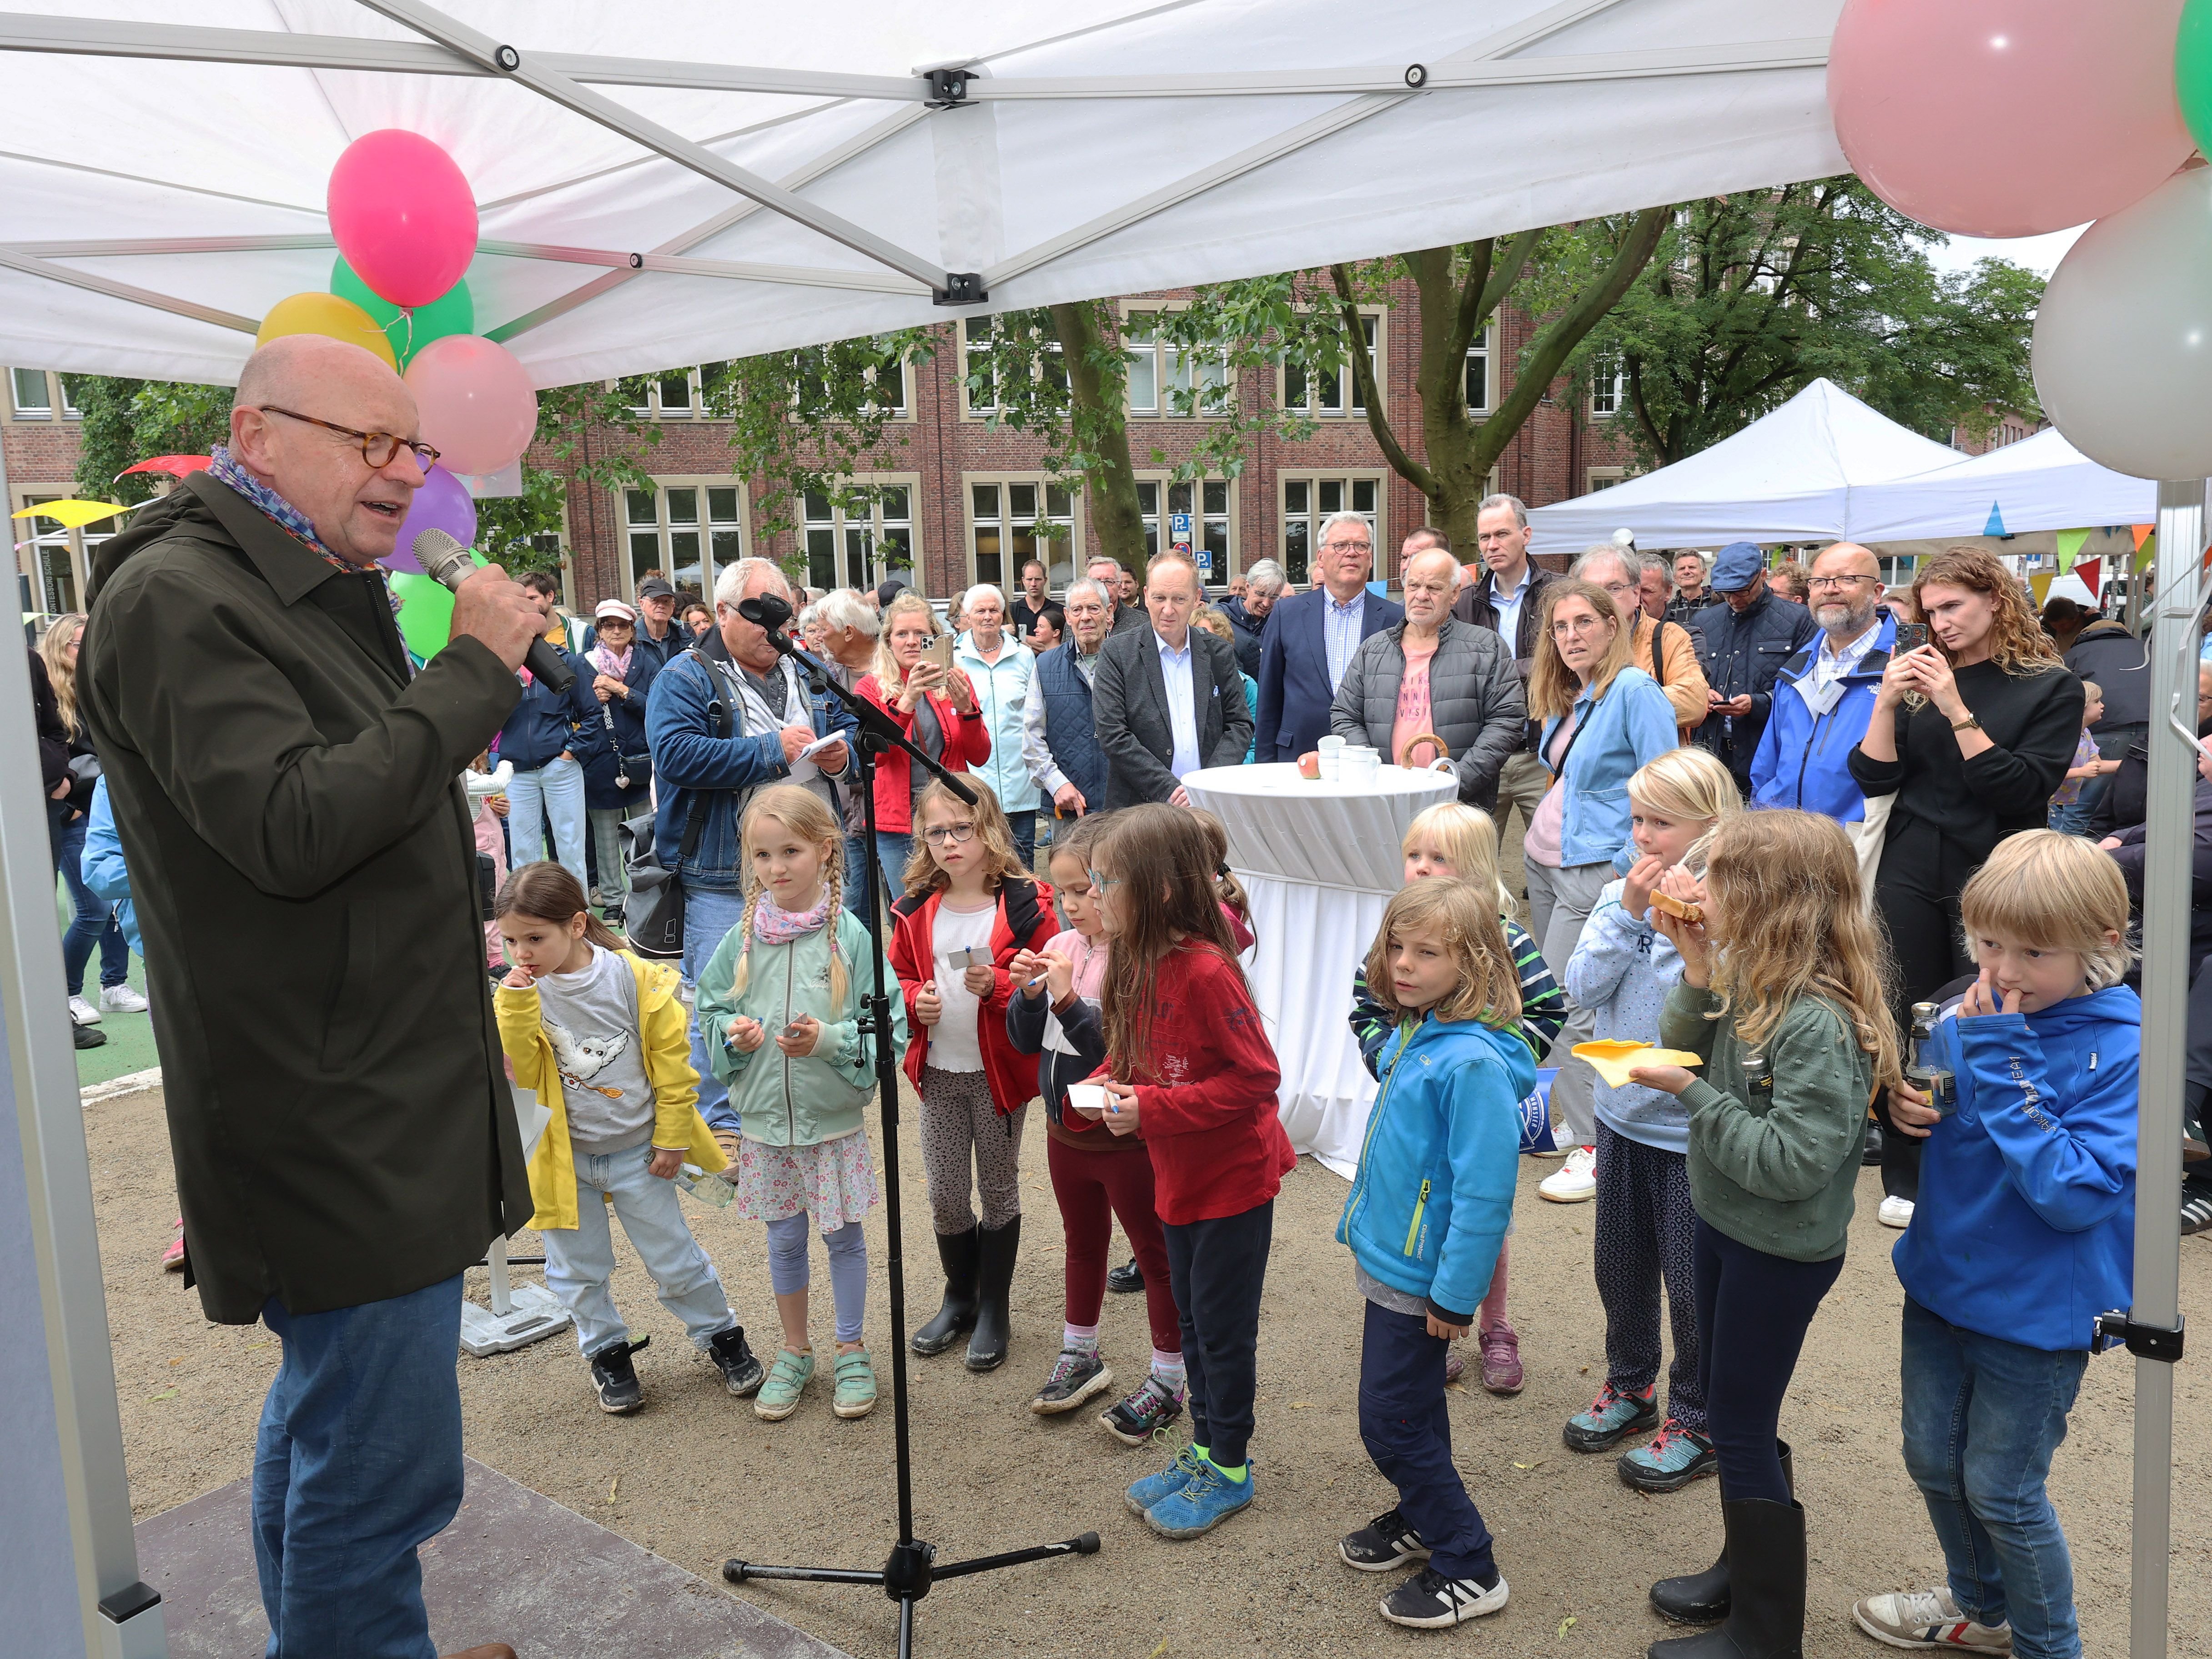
(451, 312)
(2192, 69)
(426, 613)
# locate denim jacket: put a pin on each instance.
(1633, 723)
(688, 756)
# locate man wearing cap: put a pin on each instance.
(657, 635)
(1748, 636)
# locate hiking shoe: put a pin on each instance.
(120, 1000)
(1675, 1457)
(786, 1380)
(1138, 1415)
(1895, 1212)
(741, 1370)
(1928, 1618)
(1611, 1419)
(1383, 1543)
(1155, 1488)
(1429, 1601)
(1575, 1181)
(856, 1384)
(614, 1378)
(1125, 1279)
(1501, 1359)
(1207, 1499)
(1076, 1377)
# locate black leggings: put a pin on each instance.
(1916, 895)
(1754, 1309)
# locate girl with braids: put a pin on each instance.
(780, 1002)
(1188, 1065)
(1781, 992)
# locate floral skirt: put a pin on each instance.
(833, 1182)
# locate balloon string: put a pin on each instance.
(408, 313)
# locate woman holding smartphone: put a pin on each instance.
(1971, 733)
(915, 683)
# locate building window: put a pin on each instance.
(810, 394)
(1207, 503)
(1608, 387)
(51, 553)
(1004, 519)
(1158, 370)
(33, 400)
(1604, 477)
(1309, 499)
(980, 336)
(688, 530)
(1478, 387)
(1331, 395)
(671, 395)
(858, 550)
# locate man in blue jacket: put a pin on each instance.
(548, 738)
(721, 721)
(1310, 640)
(1748, 635)
(1823, 697)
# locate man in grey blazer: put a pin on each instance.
(1169, 699)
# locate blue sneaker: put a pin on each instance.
(1672, 1460)
(1210, 1499)
(1611, 1419)
(1144, 1493)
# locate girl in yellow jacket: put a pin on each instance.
(603, 1039)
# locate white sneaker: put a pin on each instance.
(83, 1012)
(1895, 1212)
(1928, 1618)
(1577, 1180)
(121, 1000)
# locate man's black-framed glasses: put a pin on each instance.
(377, 448)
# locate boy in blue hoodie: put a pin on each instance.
(2024, 1233)
(1427, 1215)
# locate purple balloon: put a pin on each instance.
(442, 503)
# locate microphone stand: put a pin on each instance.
(907, 1575)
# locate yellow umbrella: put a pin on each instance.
(71, 514)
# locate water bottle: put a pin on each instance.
(1758, 1079)
(709, 1189)
(1922, 1068)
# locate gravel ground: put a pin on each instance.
(697, 1478)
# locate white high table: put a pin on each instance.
(1320, 861)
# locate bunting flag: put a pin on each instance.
(2140, 531)
(2070, 547)
(1995, 526)
(2091, 573)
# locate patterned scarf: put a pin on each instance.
(294, 523)
(609, 662)
(773, 926)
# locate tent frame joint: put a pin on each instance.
(2142, 1340)
(948, 87)
(963, 287)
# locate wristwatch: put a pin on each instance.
(1971, 723)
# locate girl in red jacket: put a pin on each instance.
(1188, 1062)
(969, 908)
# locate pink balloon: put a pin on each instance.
(2008, 117)
(403, 215)
(477, 403)
(442, 503)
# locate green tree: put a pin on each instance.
(590, 433)
(1753, 296)
(127, 421)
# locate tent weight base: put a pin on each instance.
(534, 1313)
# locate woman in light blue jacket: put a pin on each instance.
(1603, 718)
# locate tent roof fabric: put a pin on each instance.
(638, 170)
(2041, 482)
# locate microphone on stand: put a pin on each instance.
(768, 613)
(446, 562)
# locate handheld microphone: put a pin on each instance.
(446, 562)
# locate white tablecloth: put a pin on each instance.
(1320, 861)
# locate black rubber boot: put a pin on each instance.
(987, 1349)
(1766, 1614)
(957, 1317)
(1702, 1598)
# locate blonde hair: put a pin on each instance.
(803, 813)
(2091, 692)
(1792, 926)
(1489, 985)
(1468, 838)
(1552, 687)
(924, 874)
(1687, 783)
(54, 648)
(1213, 620)
(888, 674)
(2017, 642)
(2053, 892)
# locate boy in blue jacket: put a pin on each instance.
(1427, 1214)
(2024, 1233)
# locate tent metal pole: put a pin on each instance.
(115, 290)
(2168, 846)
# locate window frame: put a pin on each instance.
(1156, 521)
(652, 409)
(1314, 477)
(18, 410)
(1006, 482)
(1595, 478)
(705, 526)
(1374, 317)
(841, 527)
(75, 545)
(1486, 348)
(1159, 351)
(1616, 382)
(970, 410)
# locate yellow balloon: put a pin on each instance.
(325, 313)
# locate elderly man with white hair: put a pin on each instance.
(722, 721)
(1248, 613)
(850, 626)
(1662, 649)
(999, 666)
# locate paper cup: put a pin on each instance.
(1088, 1098)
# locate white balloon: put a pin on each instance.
(2124, 338)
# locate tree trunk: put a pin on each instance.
(1101, 421)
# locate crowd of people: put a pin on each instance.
(1801, 887)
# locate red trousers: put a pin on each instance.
(1092, 1189)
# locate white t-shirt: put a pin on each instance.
(953, 1046)
(591, 1020)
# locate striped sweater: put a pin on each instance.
(1543, 1004)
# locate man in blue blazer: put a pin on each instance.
(1309, 640)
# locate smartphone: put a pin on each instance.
(939, 651)
(1910, 636)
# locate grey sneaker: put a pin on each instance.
(1076, 1377)
(1928, 1618)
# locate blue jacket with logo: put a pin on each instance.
(1801, 758)
(2025, 1226)
(1429, 1208)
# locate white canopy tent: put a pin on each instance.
(765, 178)
(2040, 483)
(1791, 476)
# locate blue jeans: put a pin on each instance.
(580, 1261)
(894, 848)
(358, 1462)
(1982, 1418)
(1024, 824)
(2072, 817)
(856, 875)
(708, 915)
(552, 792)
(1403, 1424)
(95, 921)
